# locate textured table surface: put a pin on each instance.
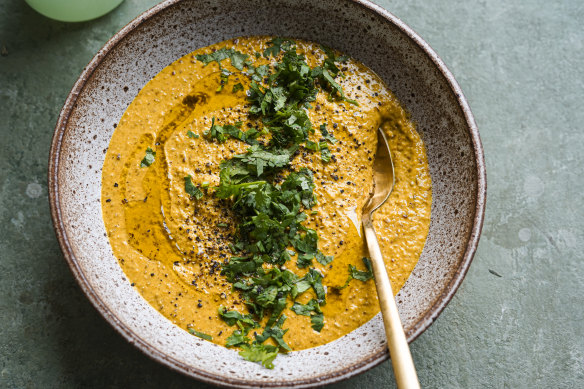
(516, 322)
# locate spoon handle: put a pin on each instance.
(399, 351)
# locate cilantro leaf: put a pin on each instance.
(265, 354)
(304, 260)
(312, 279)
(300, 287)
(323, 259)
(201, 335)
(331, 58)
(306, 242)
(237, 58)
(317, 321)
(362, 275)
(328, 72)
(325, 153)
(315, 279)
(277, 44)
(327, 135)
(312, 309)
(191, 189)
(216, 56)
(233, 317)
(258, 159)
(276, 333)
(237, 339)
(306, 309)
(192, 135)
(148, 158)
(237, 87)
(358, 274)
(240, 265)
(221, 133)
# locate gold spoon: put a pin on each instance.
(399, 351)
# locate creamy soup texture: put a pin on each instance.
(172, 245)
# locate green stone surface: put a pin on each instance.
(521, 66)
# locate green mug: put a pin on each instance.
(73, 10)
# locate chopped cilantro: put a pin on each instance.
(304, 260)
(277, 44)
(323, 259)
(328, 72)
(191, 189)
(258, 73)
(317, 321)
(327, 135)
(271, 199)
(358, 274)
(312, 309)
(276, 333)
(325, 153)
(148, 158)
(238, 338)
(238, 60)
(201, 335)
(362, 275)
(234, 317)
(221, 133)
(265, 354)
(237, 87)
(306, 309)
(192, 135)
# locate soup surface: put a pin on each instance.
(172, 245)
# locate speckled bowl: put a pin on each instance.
(174, 28)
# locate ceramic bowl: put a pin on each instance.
(174, 28)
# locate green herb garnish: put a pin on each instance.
(276, 45)
(358, 274)
(312, 309)
(238, 60)
(362, 275)
(327, 135)
(191, 189)
(148, 158)
(270, 199)
(238, 338)
(237, 87)
(221, 133)
(192, 135)
(201, 335)
(265, 354)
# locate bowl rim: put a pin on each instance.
(429, 317)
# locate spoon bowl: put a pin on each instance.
(383, 176)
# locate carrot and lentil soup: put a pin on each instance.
(233, 188)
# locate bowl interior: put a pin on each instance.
(175, 28)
